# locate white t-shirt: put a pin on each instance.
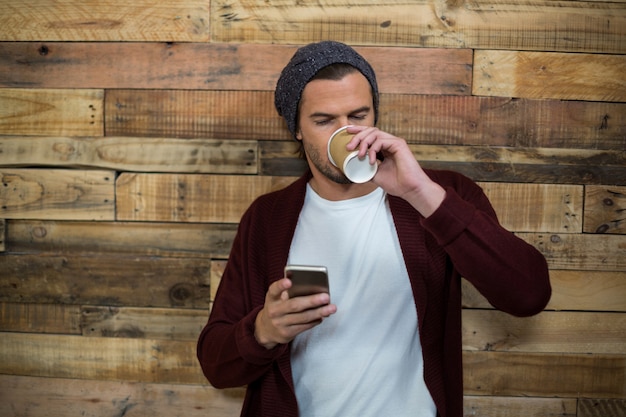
(366, 359)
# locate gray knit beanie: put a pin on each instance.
(304, 64)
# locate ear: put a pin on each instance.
(299, 135)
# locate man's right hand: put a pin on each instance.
(283, 318)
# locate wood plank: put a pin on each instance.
(189, 198)
(420, 119)
(57, 194)
(483, 163)
(3, 234)
(544, 375)
(515, 407)
(601, 407)
(537, 207)
(62, 112)
(112, 20)
(580, 251)
(572, 332)
(130, 154)
(45, 397)
(215, 66)
(115, 280)
(103, 358)
(39, 318)
(572, 290)
(543, 75)
(605, 209)
(144, 323)
(102, 238)
(496, 24)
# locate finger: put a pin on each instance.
(277, 288)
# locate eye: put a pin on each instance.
(321, 122)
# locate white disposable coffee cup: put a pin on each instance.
(357, 170)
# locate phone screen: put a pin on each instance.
(307, 280)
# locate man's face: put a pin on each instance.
(327, 105)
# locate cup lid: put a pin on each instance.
(359, 170)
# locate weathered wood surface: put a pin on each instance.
(572, 290)
(190, 198)
(525, 25)
(581, 251)
(153, 323)
(113, 280)
(3, 235)
(420, 119)
(605, 209)
(541, 75)
(106, 358)
(544, 375)
(169, 361)
(572, 332)
(601, 408)
(484, 163)
(155, 239)
(131, 154)
(111, 20)
(215, 66)
(61, 397)
(47, 112)
(211, 198)
(474, 406)
(40, 318)
(57, 194)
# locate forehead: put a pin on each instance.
(333, 96)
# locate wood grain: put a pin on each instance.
(51, 112)
(131, 154)
(39, 318)
(525, 25)
(517, 406)
(573, 291)
(155, 239)
(215, 66)
(420, 119)
(111, 20)
(605, 209)
(57, 194)
(58, 397)
(139, 281)
(542, 75)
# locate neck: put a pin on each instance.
(333, 191)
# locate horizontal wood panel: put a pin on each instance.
(600, 408)
(541, 75)
(483, 163)
(57, 194)
(420, 119)
(537, 207)
(580, 251)
(115, 359)
(61, 397)
(152, 323)
(3, 237)
(157, 239)
(215, 66)
(190, 198)
(131, 280)
(572, 290)
(572, 332)
(474, 406)
(51, 112)
(40, 318)
(111, 20)
(524, 25)
(605, 209)
(544, 375)
(131, 154)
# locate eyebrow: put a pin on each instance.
(359, 110)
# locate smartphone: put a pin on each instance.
(307, 280)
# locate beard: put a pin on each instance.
(324, 166)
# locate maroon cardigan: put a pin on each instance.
(461, 239)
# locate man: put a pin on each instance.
(396, 248)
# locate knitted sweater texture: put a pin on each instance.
(461, 239)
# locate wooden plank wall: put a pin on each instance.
(134, 134)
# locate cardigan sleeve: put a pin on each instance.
(510, 273)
